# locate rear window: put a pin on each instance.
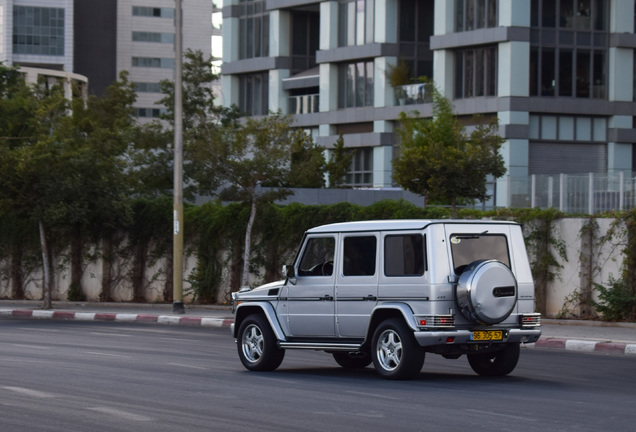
(467, 248)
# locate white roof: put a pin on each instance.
(394, 225)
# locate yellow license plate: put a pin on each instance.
(490, 335)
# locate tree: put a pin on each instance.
(440, 161)
(256, 154)
(339, 163)
(307, 162)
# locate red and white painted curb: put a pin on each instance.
(605, 347)
(117, 317)
(602, 347)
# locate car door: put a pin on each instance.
(356, 283)
(309, 304)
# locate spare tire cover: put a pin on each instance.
(486, 292)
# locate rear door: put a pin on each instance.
(356, 283)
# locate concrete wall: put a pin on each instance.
(606, 261)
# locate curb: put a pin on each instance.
(602, 347)
(584, 346)
(117, 317)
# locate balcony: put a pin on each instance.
(304, 104)
(411, 94)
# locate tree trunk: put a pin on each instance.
(248, 243)
(139, 271)
(76, 292)
(17, 275)
(107, 269)
(46, 289)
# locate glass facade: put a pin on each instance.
(155, 12)
(253, 29)
(38, 30)
(355, 85)
(254, 94)
(569, 48)
(475, 14)
(476, 72)
(167, 38)
(355, 22)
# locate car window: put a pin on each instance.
(467, 248)
(404, 255)
(359, 256)
(317, 259)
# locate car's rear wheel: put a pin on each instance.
(257, 346)
(498, 363)
(396, 354)
(352, 360)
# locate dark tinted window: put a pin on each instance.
(359, 256)
(404, 255)
(467, 248)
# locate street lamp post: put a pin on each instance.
(177, 249)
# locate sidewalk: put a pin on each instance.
(571, 335)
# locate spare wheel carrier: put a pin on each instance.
(486, 292)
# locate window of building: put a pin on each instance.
(148, 87)
(361, 168)
(305, 40)
(167, 38)
(417, 22)
(476, 72)
(355, 22)
(153, 62)
(254, 94)
(253, 29)
(359, 256)
(157, 12)
(569, 48)
(355, 85)
(149, 112)
(38, 30)
(475, 14)
(404, 255)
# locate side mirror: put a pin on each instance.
(288, 271)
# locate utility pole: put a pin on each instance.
(177, 249)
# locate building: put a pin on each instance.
(98, 39)
(558, 75)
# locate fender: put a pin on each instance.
(404, 309)
(247, 308)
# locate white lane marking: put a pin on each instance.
(491, 414)
(29, 392)
(103, 354)
(375, 395)
(109, 334)
(120, 413)
(30, 346)
(187, 366)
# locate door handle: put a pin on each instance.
(370, 298)
(326, 297)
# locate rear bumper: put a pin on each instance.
(456, 337)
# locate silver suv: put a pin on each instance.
(388, 292)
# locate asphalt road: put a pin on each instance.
(92, 376)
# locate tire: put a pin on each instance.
(352, 360)
(395, 352)
(257, 346)
(498, 363)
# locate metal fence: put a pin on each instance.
(574, 193)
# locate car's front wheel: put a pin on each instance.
(257, 346)
(396, 354)
(498, 363)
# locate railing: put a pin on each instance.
(304, 104)
(574, 193)
(411, 94)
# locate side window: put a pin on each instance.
(317, 258)
(404, 255)
(359, 256)
(467, 248)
